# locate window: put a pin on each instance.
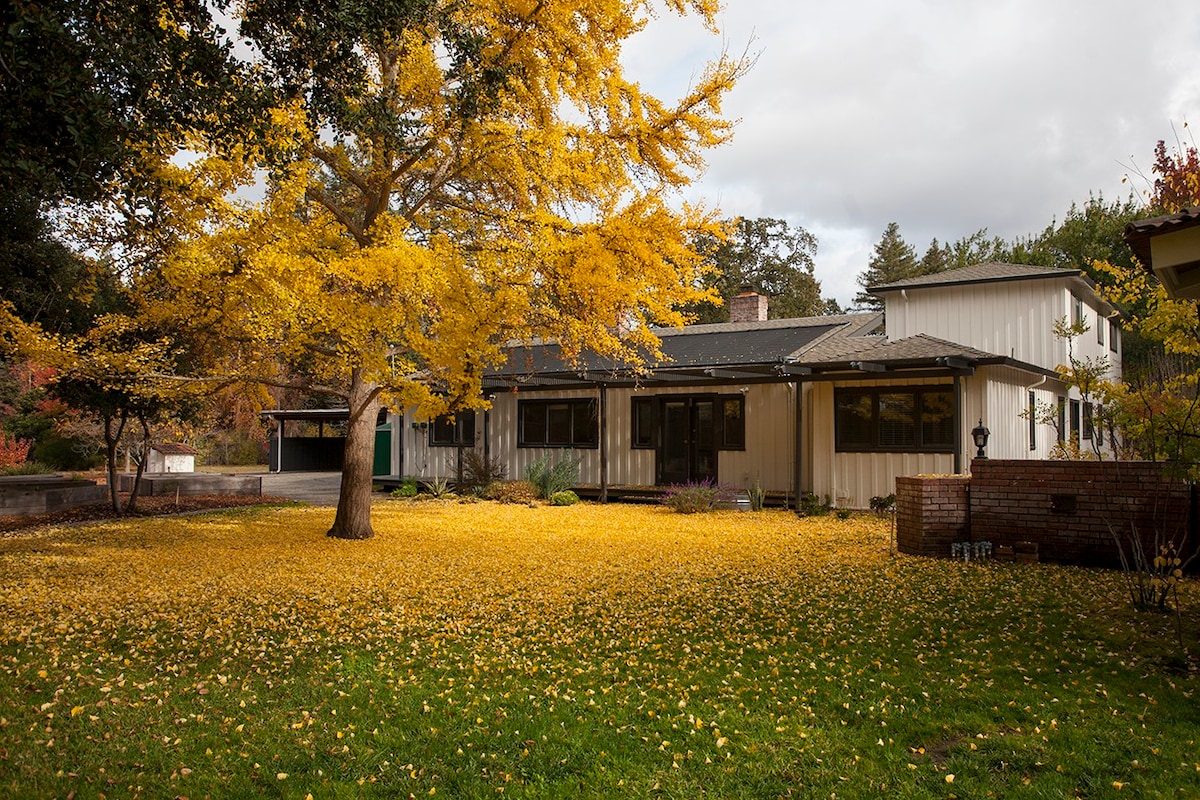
(1032, 412)
(900, 419)
(1076, 310)
(643, 423)
(1114, 335)
(733, 423)
(1100, 326)
(1075, 419)
(558, 423)
(453, 430)
(1087, 420)
(1062, 419)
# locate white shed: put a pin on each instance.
(171, 457)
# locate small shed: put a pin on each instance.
(171, 457)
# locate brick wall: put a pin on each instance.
(931, 514)
(1070, 509)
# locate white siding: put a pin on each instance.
(1007, 318)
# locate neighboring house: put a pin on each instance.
(171, 457)
(821, 405)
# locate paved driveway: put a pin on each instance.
(317, 488)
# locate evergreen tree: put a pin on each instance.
(894, 260)
(936, 258)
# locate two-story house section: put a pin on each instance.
(1012, 310)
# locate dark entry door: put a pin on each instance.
(687, 442)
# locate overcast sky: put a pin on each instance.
(945, 116)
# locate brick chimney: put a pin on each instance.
(748, 306)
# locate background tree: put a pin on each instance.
(773, 259)
(432, 162)
(893, 260)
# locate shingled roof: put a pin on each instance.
(990, 272)
(695, 352)
(1139, 232)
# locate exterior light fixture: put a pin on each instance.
(980, 435)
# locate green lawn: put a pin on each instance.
(480, 650)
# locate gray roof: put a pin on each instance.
(990, 272)
(911, 350)
(762, 347)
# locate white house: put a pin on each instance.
(821, 405)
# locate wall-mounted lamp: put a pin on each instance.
(420, 426)
(980, 435)
(745, 389)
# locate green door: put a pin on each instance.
(383, 450)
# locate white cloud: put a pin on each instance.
(945, 117)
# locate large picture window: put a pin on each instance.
(453, 431)
(916, 420)
(558, 423)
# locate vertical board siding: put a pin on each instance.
(1011, 318)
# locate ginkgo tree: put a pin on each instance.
(445, 178)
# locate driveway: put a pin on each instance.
(317, 488)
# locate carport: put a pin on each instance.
(307, 453)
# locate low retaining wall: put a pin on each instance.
(164, 484)
(1065, 511)
(27, 495)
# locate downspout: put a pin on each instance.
(603, 443)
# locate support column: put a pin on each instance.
(797, 475)
(603, 411)
(958, 425)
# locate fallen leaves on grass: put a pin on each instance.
(722, 639)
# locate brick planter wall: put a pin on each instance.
(1067, 509)
(1070, 508)
(931, 514)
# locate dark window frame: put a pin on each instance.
(918, 394)
(731, 439)
(462, 430)
(643, 411)
(1076, 419)
(1114, 336)
(587, 439)
(1032, 420)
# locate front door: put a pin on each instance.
(687, 442)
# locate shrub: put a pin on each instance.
(407, 488)
(27, 468)
(521, 492)
(548, 480)
(812, 506)
(439, 487)
(694, 497)
(843, 513)
(882, 505)
(757, 495)
(480, 472)
(564, 498)
(13, 451)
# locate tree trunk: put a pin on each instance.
(111, 440)
(131, 504)
(353, 518)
